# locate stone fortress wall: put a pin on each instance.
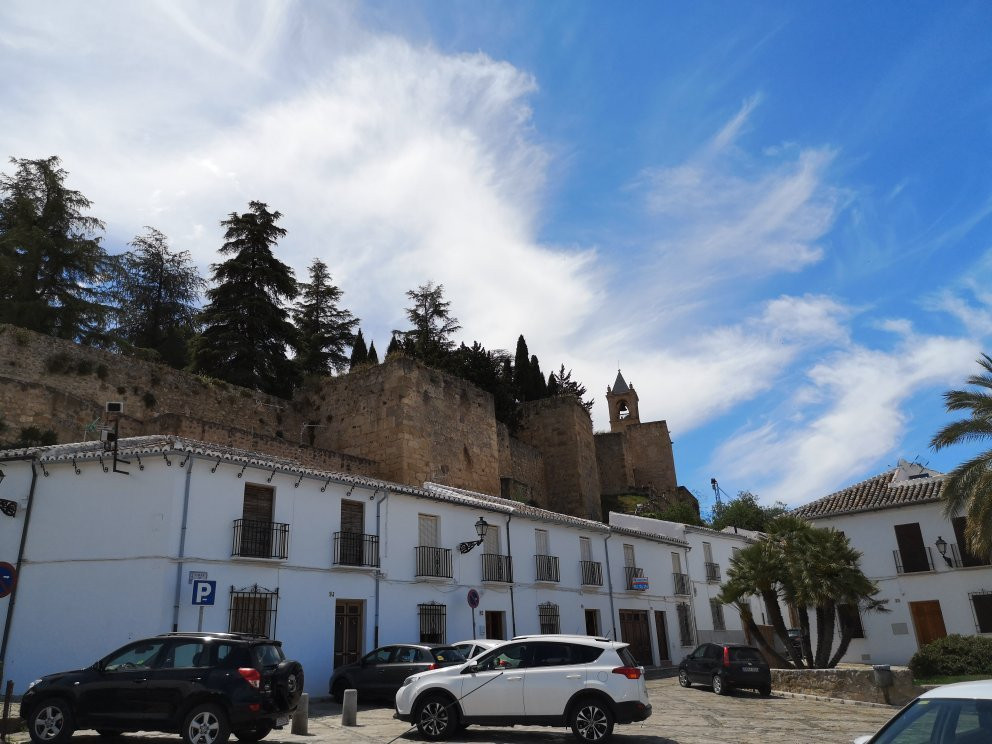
(400, 421)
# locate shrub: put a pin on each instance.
(952, 656)
(59, 363)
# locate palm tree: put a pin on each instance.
(967, 488)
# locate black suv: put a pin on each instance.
(205, 686)
(725, 667)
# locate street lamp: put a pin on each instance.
(942, 549)
(481, 528)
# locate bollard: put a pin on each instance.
(349, 708)
(883, 680)
(300, 716)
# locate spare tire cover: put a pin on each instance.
(288, 683)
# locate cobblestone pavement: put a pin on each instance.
(693, 716)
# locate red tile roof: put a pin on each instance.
(879, 492)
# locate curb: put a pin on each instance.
(843, 701)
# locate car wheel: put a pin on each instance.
(109, 733)
(765, 691)
(436, 718)
(337, 690)
(719, 686)
(205, 724)
(684, 678)
(591, 720)
(51, 722)
(256, 733)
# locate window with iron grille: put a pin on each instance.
(253, 611)
(716, 609)
(850, 618)
(433, 622)
(981, 603)
(685, 624)
(547, 615)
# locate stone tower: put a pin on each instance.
(622, 400)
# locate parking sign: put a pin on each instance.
(204, 592)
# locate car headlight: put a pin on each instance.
(36, 682)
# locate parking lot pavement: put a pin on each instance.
(693, 716)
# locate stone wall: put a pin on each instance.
(615, 475)
(69, 386)
(561, 430)
(850, 682)
(418, 423)
(521, 469)
(649, 453)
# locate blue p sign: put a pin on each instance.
(204, 592)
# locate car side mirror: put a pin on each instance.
(470, 669)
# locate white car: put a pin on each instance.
(471, 649)
(586, 683)
(951, 714)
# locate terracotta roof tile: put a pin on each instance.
(879, 492)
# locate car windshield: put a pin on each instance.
(940, 721)
(746, 654)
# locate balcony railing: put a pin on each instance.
(496, 567)
(915, 562)
(681, 581)
(963, 558)
(433, 561)
(630, 574)
(547, 567)
(356, 549)
(712, 571)
(592, 573)
(256, 539)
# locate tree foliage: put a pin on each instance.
(155, 295)
(490, 371)
(359, 351)
(810, 568)
(324, 330)
(744, 512)
(52, 266)
(246, 327)
(968, 487)
(564, 386)
(429, 337)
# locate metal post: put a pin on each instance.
(199, 623)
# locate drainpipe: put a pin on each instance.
(20, 559)
(609, 582)
(509, 554)
(378, 570)
(182, 546)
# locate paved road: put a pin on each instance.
(693, 716)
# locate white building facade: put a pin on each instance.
(930, 583)
(331, 564)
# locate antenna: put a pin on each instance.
(717, 491)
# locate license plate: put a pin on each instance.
(750, 669)
(282, 720)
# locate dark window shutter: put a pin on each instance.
(258, 503)
(983, 611)
(910, 541)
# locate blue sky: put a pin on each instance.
(777, 218)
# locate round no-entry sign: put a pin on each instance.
(473, 598)
(8, 577)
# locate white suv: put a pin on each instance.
(547, 680)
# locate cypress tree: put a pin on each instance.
(521, 369)
(373, 354)
(537, 387)
(359, 352)
(394, 346)
(246, 328)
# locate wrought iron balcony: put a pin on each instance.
(630, 574)
(592, 573)
(356, 549)
(433, 561)
(547, 568)
(496, 567)
(256, 539)
(681, 584)
(712, 571)
(913, 562)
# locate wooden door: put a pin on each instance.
(352, 529)
(347, 631)
(634, 630)
(495, 625)
(662, 633)
(928, 621)
(592, 622)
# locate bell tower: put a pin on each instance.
(622, 400)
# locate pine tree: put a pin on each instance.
(155, 293)
(324, 330)
(394, 346)
(52, 266)
(430, 337)
(359, 352)
(246, 328)
(565, 386)
(373, 354)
